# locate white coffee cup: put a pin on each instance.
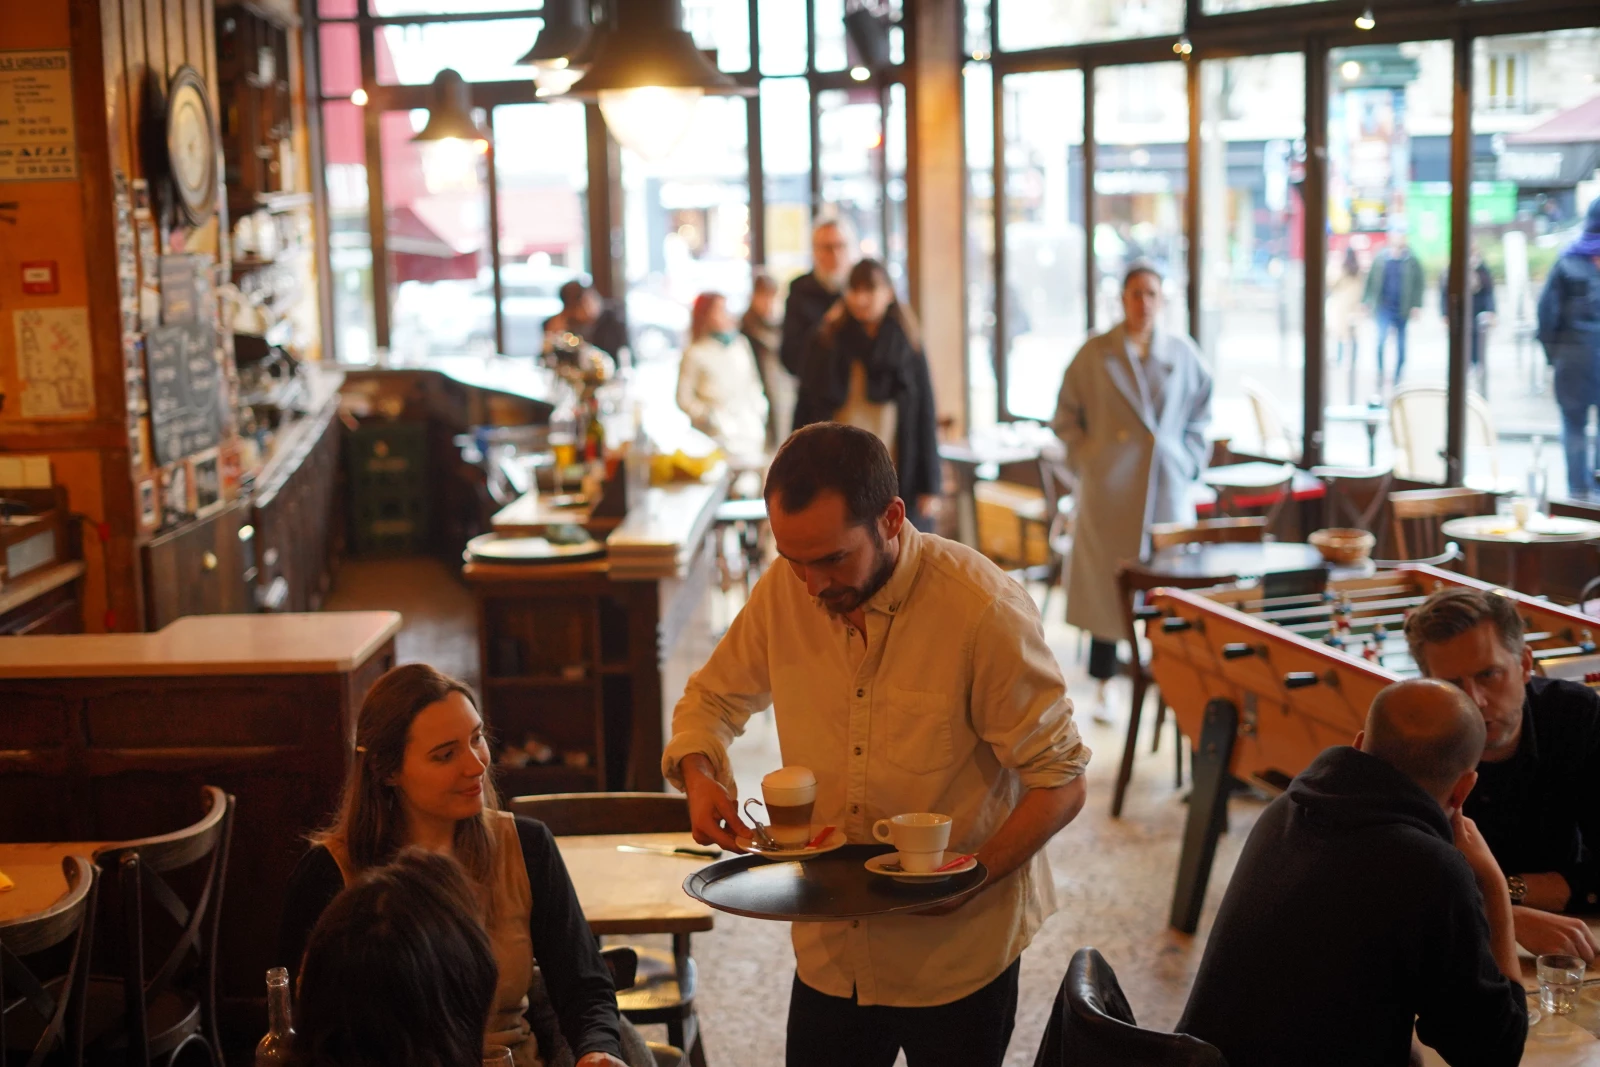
(789, 794)
(921, 838)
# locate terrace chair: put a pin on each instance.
(664, 984)
(1277, 440)
(1207, 531)
(1133, 582)
(40, 1015)
(1091, 1025)
(1417, 418)
(1355, 495)
(1417, 516)
(1238, 500)
(148, 1012)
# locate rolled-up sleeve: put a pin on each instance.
(1019, 699)
(721, 696)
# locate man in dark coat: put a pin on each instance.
(813, 293)
(1365, 903)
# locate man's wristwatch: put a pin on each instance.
(1518, 888)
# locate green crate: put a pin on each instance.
(388, 525)
(388, 458)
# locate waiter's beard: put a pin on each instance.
(842, 600)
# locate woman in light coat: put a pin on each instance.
(719, 385)
(1133, 410)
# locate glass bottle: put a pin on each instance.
(273, 1050)
(1538, 479)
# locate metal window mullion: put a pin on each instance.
(1313, 193)
(1459, 314)
(1091, 268)
(1001, 356)
(1192, 202)
(377, 219)
(311, 65)
(491, 164)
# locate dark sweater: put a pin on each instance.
(1350, 915)
(1539, 810)
(808, 301)
(576, 977)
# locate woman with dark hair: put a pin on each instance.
(719, 385)
(397, 972)
(866, 369)
(421, 778)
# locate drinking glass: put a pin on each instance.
(1522, 510)
(1560, 981)
(496, 1056)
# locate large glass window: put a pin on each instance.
(349, 239)
(687, 226)
(542, 185)
(897, 237)
(478, 51)
(786, 163)
(1045, 318)
(850, 125)
(1534, 166)
(978, 105)
(1042, 23)
(1141, 178)
(1252, 290)
(1389, 191)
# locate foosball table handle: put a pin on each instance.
(1301, 679)
(1147, 613)
(1175, 625)
(1237, 650)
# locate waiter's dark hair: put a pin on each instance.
(1449, 613)
(831, 455)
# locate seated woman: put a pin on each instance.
(866, 369)
(719, 383)
(397, 972)
(421, 777)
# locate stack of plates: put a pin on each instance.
(492, 548)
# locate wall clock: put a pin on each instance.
(192, 146)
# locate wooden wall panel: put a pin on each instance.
(194, 36)
(177, 47)
(155, 30)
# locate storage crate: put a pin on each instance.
(388, 458)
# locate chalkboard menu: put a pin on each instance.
(185, 383)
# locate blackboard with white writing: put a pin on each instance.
(185, 383)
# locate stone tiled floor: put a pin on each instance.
(1113, 877)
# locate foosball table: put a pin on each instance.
(1262, 684)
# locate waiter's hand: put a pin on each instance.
(1545, 933)
(600, 1059)
(712, 812)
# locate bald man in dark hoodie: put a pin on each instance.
(1365, 903)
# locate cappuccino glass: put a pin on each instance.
(789, 794)
(920, 837)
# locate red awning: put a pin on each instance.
(1572, 126)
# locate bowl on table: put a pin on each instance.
(1343, 545)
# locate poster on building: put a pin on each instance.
(53, 363)
(37, 138)
(1370, 155)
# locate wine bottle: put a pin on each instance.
(273, 1050)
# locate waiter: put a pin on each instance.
(909, 674)
(1133, 410)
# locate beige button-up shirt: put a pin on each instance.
(954, 704)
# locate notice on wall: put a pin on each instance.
(184, 381)
(37, 134)
(54, 364)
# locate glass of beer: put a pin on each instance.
(789, 795)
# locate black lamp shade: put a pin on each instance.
(648, 47)
(450, 111)
(566, 30)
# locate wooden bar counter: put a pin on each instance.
(591, 656)
(110, 737)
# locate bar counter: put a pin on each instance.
(110, 737)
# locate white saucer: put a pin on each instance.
(879, 865)
(835, 840)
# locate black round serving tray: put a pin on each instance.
(835, 885)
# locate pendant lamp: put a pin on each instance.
(559, 54)
(452, 141)
(649, 76)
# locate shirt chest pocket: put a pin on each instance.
(917, 729)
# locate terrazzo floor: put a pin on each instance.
(1113, 876)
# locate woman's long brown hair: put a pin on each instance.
(370, 823)
(868, 274)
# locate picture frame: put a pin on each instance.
(205, 483)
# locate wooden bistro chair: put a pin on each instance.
(1207, 531)
(1268, 500)
(1133, 582)
(38, 1014)
(150, 1012)
(1356, 495)
(1418, 514)
(664, 985)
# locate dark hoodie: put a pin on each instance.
(1351, 915)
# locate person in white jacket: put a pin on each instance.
(719, 385)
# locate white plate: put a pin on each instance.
(835, 840)
(880, 864)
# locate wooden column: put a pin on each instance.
(938, 223)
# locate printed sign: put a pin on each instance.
(37, 138)
(53, 361)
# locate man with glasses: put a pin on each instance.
(833, 252)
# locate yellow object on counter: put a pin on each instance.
(6, 883)
(679, 466)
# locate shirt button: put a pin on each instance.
(858, 750)
(861, 692)
(855, 924)
(855, 809)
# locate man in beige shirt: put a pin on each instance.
(910, 674)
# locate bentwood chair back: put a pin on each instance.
(40, 1014)
(162, 1001)
(1355, 495)
(1092, 1025)
(1270, 500)
(1207, 531)
(1417, 417)
(1418, 514)
(1133, 582)
(1277, 440)
(664, 984)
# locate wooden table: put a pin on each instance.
(1526, 544)
(1369, 416)
(36, 870)
(631, 892)
(965, 457)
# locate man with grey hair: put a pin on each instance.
(1536, 798)
(833, 252)
(1366, 902)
